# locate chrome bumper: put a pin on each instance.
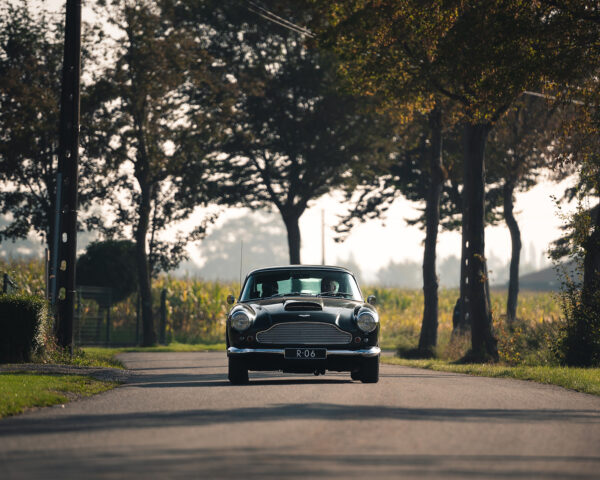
(365, 352)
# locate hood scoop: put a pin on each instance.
(302, 306)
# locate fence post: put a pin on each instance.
(78, 312)
(137, 319)
(163, 316)
(46, 273)
(108, 308)
(8, 286)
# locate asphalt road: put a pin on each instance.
(179, 418)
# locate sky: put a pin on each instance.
(375, 243)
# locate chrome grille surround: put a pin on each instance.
(304, 333)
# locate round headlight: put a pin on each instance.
(240, 320)
(367, 321)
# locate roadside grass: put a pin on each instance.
(586, 380)
(20, 391)
(106, 357)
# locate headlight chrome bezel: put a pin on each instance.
(363, 322)
(236, 318)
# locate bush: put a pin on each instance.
(109, 264)
(578, 343)
(522, 342)
(24, 327)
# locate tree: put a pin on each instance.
(519, 148)
(417, 171)
(31, 54)
(391, 49)
(405, 91)
(308, 140)
(579, 344)
(408, 172)
(298, 137)
(480, 55)
(579, 21)
(156, 113)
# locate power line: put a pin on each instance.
(550, 97)
(271, 17)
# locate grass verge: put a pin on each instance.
(586, 380)
(20, 391)
(105, 357)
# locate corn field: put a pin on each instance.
(196, 312)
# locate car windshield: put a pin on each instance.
(280, 283)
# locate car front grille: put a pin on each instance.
(304, 333)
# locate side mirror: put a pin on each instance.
(230, 299)
(371, 300)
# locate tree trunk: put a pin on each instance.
(591, 263)
(429, 326)
(148, 333)
(515, 236)
(293, 235)
(583, 337)
(483, 344)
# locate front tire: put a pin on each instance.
(238, 373)
(369, 371)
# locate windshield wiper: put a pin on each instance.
(334, 294)
(289, 294)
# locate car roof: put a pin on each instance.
(332, 268)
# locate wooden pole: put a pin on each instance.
(67, 177)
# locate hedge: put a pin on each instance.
(24, 327)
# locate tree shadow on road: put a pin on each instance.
(295, 411)
(256, 462)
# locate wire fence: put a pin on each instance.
(97, 324)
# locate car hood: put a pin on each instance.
(338, 311)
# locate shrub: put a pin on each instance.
(522, 342)
(109, 264)
(24, 327)
(578, 343)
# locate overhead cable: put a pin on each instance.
(550, 97)
(271, 17)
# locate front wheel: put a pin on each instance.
(369, 371)
(238, 373)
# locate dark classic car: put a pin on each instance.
(303, 319)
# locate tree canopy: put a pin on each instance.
(298, 133)
(31, 49)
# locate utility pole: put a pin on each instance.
(64, 254)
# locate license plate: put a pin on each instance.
(305, 353)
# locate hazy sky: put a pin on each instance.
(374, 244)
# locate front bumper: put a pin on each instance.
(364, 352)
